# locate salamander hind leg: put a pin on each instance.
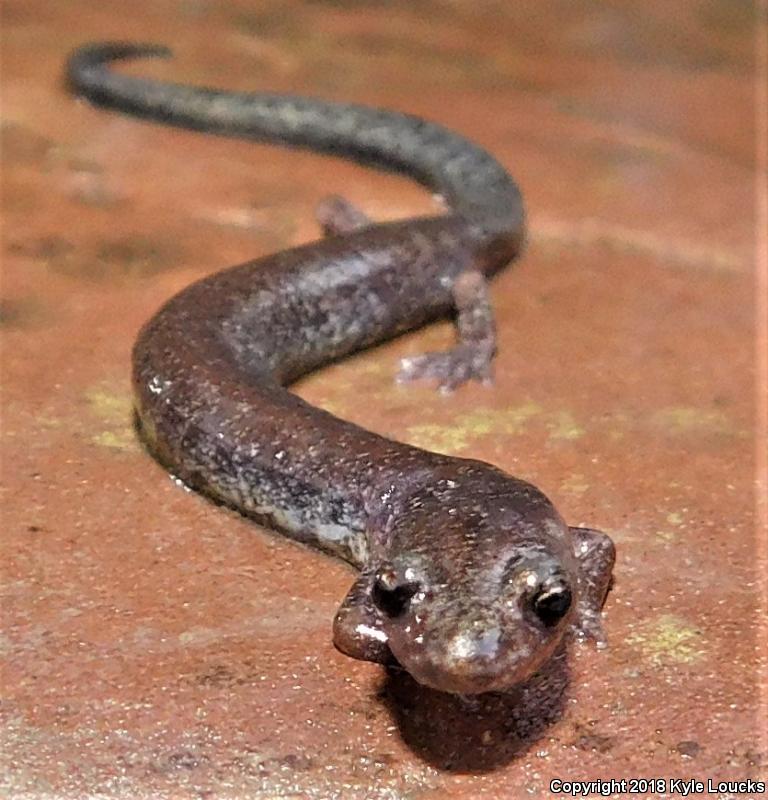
(357, 629)
(338, 216)
(472, 356)
(596, 554)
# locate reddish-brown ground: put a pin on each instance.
(157, 646)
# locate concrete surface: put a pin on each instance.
(157, 646)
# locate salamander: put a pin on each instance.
(468, 577)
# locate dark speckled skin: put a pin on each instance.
(469, 577)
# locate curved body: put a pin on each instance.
(469, 577)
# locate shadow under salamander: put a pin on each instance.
(478, 733)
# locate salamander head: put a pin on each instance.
(481, 604)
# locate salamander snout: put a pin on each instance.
(474, 653)
(474, 646)
(490, 636)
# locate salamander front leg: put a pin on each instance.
(357, 630)
(338, 216)
(596, 555)
(472, 356)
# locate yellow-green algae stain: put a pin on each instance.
(674, 519)
(682, 420)
(668, 640)
(575, 485)
(444, 439)
(114, 409)
(109, 405)
(459, 434)
(507, 421)
(562, 425)
(117, 440)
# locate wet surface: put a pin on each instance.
(156, 645)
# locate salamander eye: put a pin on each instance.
(390, 594)
(551, 603)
